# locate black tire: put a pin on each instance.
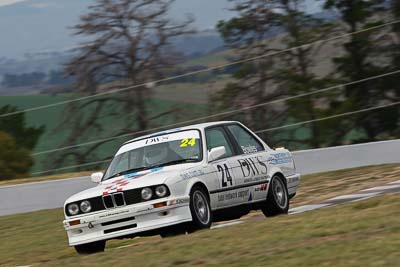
(91, 248)
(277, 198)
(200, 209)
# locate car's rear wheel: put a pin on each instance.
(277, 198)
(91, 248)
(200, 209)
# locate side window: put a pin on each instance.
(216, 137)
(247, 142)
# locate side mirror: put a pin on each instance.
(96, 177)
(216, 153)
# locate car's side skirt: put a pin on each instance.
(242, 204)
(239, 186)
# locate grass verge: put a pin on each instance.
(365, 233)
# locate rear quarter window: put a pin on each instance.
(246, 141)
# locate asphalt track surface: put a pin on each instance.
(40, 195)
(52, 194)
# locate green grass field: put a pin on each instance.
(365, 233)
(51, 118)
(192, 99)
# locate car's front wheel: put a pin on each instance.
(277, 198)
(91, 248)
(200, 209)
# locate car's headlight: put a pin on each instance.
(147, 193)
(161, 191)
(85, 206)
(73, 209)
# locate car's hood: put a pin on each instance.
(132, 180)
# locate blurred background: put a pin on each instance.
(79, 78)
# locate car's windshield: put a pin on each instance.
(157, 151)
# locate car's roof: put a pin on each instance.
(200, 126)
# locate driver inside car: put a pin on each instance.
(160, 153)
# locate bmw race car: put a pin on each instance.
(178, 181)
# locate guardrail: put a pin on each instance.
(345, 157)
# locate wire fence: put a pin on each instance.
(258, 132)
(216, 115)
(216, 67)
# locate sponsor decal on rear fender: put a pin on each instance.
(280, 158)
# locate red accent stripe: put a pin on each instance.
(105, 193)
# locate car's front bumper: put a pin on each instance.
(293, 182)
(128, 220)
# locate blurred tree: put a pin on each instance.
(395, 8)
(25, 137)
(14, 161)
(129, 44)
(297, 71)
(362, 59)
(252, 34)
(254, 81)
(395, 56)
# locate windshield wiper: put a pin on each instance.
(128, 171)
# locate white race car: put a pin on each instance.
(178, 181)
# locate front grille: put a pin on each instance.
(108, 202)
(120, 228)
(119, 199)
(114, 200)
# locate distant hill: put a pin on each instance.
(36, 35)
(34, 26)
(191, 46)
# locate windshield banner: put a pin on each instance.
(187, 138)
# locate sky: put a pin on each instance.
(312, 4)
(31, 26)
(9, 2)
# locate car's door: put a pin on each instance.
(226, 170)
(253, 161)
